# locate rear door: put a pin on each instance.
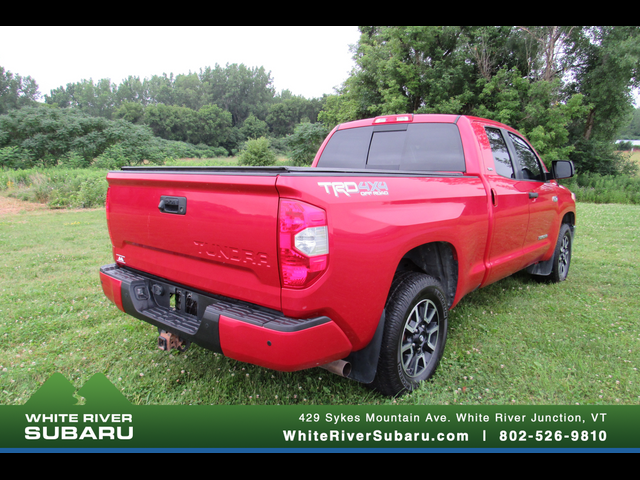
(510, 208)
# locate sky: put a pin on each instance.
(308, 60)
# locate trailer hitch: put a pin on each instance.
(168, 341)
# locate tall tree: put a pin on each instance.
(632, 129)
(411, 69)
(606, 70)
(188, 91)
(238, 89)
(161, 89)
(16, 91)
(285, 114)
(95, 99)
(562, 86)
(210, 125)
(132, 90)
(550, 58)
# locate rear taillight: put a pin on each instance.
(303, 243)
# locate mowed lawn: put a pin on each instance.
(515, 342)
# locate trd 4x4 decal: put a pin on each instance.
(348, 188)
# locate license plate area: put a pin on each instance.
(177, 299)
(184, 301)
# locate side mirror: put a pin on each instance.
(562, 169)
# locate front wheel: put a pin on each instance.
(562, 255)
(414, 336)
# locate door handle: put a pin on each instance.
(533, 195)
(173, 205)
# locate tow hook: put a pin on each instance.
(168, 341)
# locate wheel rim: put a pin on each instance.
(419, 338)
(564, 257)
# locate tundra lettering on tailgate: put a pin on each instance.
(232, 254)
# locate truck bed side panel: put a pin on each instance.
(370, 233)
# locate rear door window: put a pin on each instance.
(501, 158)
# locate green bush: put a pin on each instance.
(594, 188)
(83, 191)
(305, 141)
(73, 160)
(257, 153)
(624, 146)
(14, 157)
(112, 158)
(600, 157)
(175, 149)
(58, 187)
(280, 146)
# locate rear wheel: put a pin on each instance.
(415, 334)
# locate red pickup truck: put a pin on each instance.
(352, 264)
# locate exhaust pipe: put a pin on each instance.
(338, 367)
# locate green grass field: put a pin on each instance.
(515, 342)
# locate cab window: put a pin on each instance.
(527, 160)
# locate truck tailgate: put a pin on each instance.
(215, 233)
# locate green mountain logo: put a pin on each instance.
(57, 392)
(54, 414)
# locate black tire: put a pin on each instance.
(562, 255)
(415, 334)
